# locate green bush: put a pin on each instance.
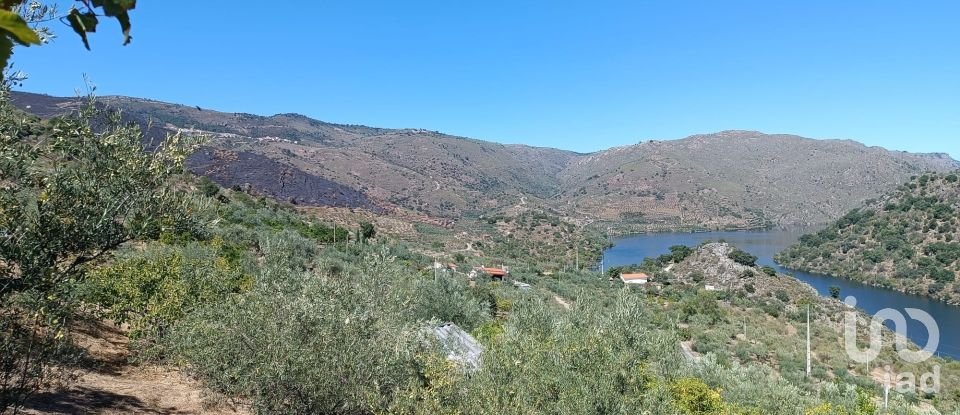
(743, 258)
(783, 296)
(153, 290)
(207, 187)
(298, 343)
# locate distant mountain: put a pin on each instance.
(288, 156)
(739, 177)
(908, 240)
(729, 179)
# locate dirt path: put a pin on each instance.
(114, 386)
(560, 300)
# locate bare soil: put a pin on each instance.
(110, 384)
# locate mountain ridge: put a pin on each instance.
(725, 180)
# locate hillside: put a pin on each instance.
(731, 179)
(738, 178)
(728, 309)
(343, 165)
(908, 240)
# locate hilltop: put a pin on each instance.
(730, 179)
(908, 240)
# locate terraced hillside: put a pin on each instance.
(908, 240)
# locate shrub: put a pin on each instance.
(680, 252)
(207, 187)
(703, 303)
(834, 291)
(693, 397)
(783, 296)
(941, 275)
(743, 258)
(873, 256)
(360, 347)
(155, 289)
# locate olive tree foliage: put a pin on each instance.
(70, 194)
(23, 22)
(320, 342)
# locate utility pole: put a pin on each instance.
(578, 258)
(886, 389)
(808, 340)
(602, 256)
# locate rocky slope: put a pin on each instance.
(908, 240)
(731, 179)
(712, 265)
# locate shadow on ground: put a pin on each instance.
(82, 400)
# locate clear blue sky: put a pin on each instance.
(576, 75)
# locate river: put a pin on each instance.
(765, 244)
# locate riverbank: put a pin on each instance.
(766, 244)
(873, 280)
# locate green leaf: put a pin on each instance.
(124, 20)
(10, 4)
(6, 50)
(82, 23)
(17, 28)
(118, 9)
(124, 4)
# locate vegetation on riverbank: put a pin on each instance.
(908, 240)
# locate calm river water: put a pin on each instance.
(765, 244)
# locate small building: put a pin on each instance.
(521, 285)
(495, 273)
(634, 278)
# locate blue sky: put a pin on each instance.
(575, 75)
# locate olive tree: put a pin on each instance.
(70, 193)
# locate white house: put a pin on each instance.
(634, 278)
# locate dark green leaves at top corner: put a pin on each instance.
(83, 23)
(124, 4)
(118, 9)
(10, 4)
(14, 29)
